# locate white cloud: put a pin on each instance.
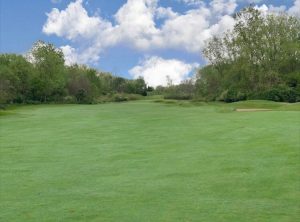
(71, 56)
(295, 9)
(135, 26)
(164, 13)
(223, 6)
(83, 56)
(156, 70)
(277, 9)
(263, 8)
(219, 6)
(74, 22)
(135, 23)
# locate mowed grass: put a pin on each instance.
(147, 161)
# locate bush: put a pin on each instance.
(134, 97)
(69, 99)
(282, 94)
(232, 95)
(81, 95)
(120, 98)
(184, 91)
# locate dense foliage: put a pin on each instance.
(258, 59)
(43, 77)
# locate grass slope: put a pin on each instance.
(146, 161)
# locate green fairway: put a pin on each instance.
(150, 161)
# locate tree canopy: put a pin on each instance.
(42, 76)
(259, 59)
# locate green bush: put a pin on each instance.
(133, 96)
(120, 98)
(232, 95)
(178, 96)
(184, 91)
(69, 99)
(282, 94)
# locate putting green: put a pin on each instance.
(147, 161)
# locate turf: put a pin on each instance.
(147, 161)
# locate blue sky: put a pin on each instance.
(131, 38)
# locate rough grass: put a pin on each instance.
(146, 161)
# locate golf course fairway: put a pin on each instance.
(150, 161)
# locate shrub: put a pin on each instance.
(81, 95)
(120, 98)
(180, 92)
(282, 94)
(133, 96)
(69, 99)
(232, 95)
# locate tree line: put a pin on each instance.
(258, 59)
(42, 77)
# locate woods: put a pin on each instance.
(42, 77)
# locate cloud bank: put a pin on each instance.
(135, 25)
(156, 70)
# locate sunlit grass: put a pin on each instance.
(147, 161)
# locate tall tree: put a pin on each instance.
(50, 79)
